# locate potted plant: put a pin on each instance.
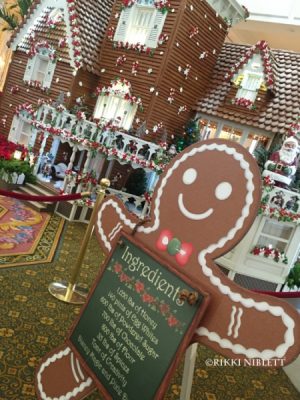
(293, 278)
(14, 164)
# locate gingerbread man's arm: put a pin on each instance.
(113, 217)
(240, 323)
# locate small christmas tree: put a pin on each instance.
(191, 135)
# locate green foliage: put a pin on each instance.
(10, 19)
(137, 182)
(293, 278)
(19, 167)
(191, 135)
(23, 6)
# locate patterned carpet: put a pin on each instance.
(33, 323)
(26, 236)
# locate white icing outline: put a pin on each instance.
(263, 306)
(123, 218)
(73, 368)
(238, 323)
(195, 217)
(69, 395)
(115, 231)
(229, 331)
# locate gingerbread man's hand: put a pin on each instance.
(111, 219)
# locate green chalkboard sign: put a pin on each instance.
(135, 324)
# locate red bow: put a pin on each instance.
(174, 247)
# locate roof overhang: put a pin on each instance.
(230, 10)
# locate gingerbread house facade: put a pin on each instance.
(109, 84)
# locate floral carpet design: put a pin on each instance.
(26, 236)
(34, 323)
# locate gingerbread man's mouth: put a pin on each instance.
(190, 215)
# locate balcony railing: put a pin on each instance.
(108, 139)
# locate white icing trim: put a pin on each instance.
(123, 218)
(190, 215)
(238, 323)
(229, 331)
(73, 368)
(69, 395)
(115, 231)
(79, 370)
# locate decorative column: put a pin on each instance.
(219, 129)
(42, 148)
(85, 169)
(70, 166)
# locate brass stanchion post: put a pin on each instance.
(70, 292)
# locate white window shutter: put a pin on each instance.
(14, 130)
(49, 74)
(99, 107)
(251, 82)
(123, 24)
(158, 23)
(29, 69)
(128, 120)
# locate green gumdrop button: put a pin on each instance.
(174, 246)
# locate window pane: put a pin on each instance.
(146, 2)
(111, 107)
(40, 69)
(23, 139)
(252, 82)
(139, 30)
(246, 94)
(279, 230)
(276, 244)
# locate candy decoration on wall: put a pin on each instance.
(14, 89)
(171, 95)
(135, 68)
(121, 60)
(111, 32)
(162, 5)
(3, 120)
(186, 70)
(193, 31)
(203, 55)
(163, 37)
(182, 109)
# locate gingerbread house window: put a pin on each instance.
(141, 24)
(21, 131)
(40, 69)
(250, 79)
(116, 104)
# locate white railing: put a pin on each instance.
(136, 204)
(71, 126)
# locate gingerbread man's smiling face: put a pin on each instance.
(206, 197)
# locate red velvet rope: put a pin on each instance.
(280, 294)
(21, 196)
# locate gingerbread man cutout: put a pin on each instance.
(205, 202)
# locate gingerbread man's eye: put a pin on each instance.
(223, 190)
(189, 176)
